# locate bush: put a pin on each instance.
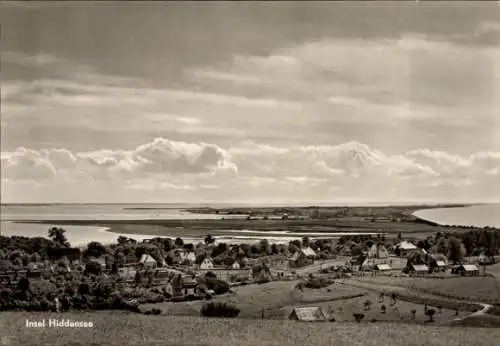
(317, 283)
(219, 310)
(218, 286)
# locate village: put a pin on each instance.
(129, 274)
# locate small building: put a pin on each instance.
(308, 252)
(100, 260)
(207, 264)
(235, 265)
(148, 261)
(187, 256)
(127, 272)
(484, 260)
(419, 269)
(378, 251)
(301, 258)
(405, 247)
(383, 267)
(308, 314)
(466, 270)
(189, 286)
(169, 289)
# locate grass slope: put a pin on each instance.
(132, 329)
(480, 289)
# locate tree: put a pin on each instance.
(24, 284)
(394, 298)
(220, 249)
(293, 248)
(93, 267)
(179, 242)
(367, 304)
(430, 313)
(456, 250)
(356, 250)
(56, 234)
(189, 247)
(35, 257)
(296, 242)
(264, 246)
(122, 240)
(358, 317)
(94, 249)
(275, 249)
(120, 259)
(306, 241)
(441, 246)
(413, 314)
(209, 239)
(383, 308)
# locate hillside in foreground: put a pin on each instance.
(134, 329)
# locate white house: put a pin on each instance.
(148, 261)
(127, 272)
(187, 256)
(235, 265)
(406, 247)
(100, 260)
(207, 264)
(308, 252)
(378, 251)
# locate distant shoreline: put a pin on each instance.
(448, 224)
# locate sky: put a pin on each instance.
(250, 102)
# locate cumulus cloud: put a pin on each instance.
(351, 168)
(161, 156)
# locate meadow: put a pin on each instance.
(111, 328)
(269, 298)
(479, 288)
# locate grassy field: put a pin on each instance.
(343, 310)
(480, 289)
(270, 297)
(133, 329)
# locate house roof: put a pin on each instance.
(188, 282)
(146, 258)
(313, 313)
(295, 256)
(383, 267)
(378, 251)
(470, 267)
(420, 267)
(439, 257)
(406, 245)
(308, 251)
(100, 260)
(187, 255)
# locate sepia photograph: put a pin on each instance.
(250, 173)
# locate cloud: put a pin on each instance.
(161, 156)
(349, 169)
